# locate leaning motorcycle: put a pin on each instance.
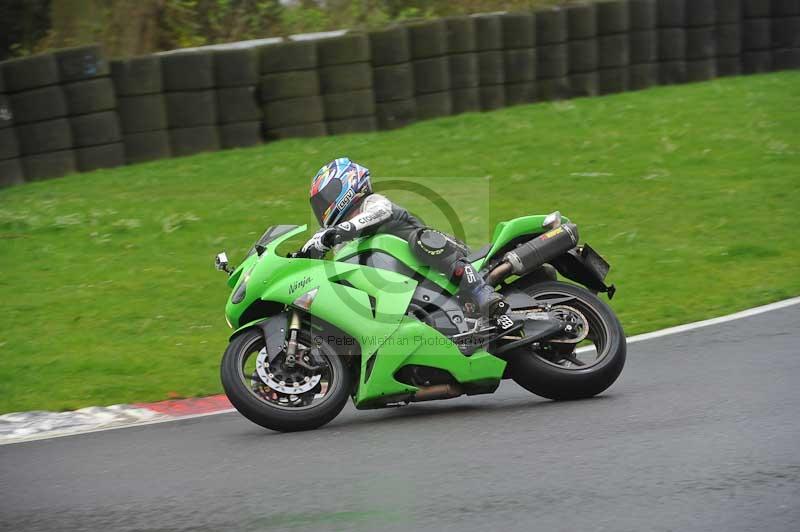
(378, 326)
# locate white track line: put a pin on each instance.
(632, 339)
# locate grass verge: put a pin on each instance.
(107, 289)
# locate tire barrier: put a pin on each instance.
(185, 71)
(643, 44)
(461, 35)
(427, 39)
(643, 14)
(582, 51)
(346, 84)
(191, 140)
(49, 165)
(519, 57)
(642, 76)
(428, 45)
(352, 125)
(141, 105)
(756, 36)
(581, 21)
(672, 13)
(463, 64)
(34, 105)
(11, 172)
(393, 78)
(147, 146)
(283, 114)
(389, 46)
(102, 156)
(583, 84)
(236, 67)
(292, 55)
(95, 129)
(81, 63)
(71, 110)
(137, 76)
(240, 134)
(491, 62)
(466, 100)
(396, 114)
(701, 13)
(700, 43)
(43, 137)
(314, 129)
(613, 17)
(238, 104)
(191, 108)
(756, 8)
(9, 145)
(553, 89)
(30, 72)
(90, 96)
(289, 89)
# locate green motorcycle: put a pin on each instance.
(377, 325)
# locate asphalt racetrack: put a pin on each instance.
(702, 432)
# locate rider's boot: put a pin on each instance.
(476, 296)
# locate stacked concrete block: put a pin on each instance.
(519, 56)
(613, 43)
(672, 41)
(582, 51)
(39, 109)
(785, 34)
(393, 78)
(728, 37)
(346, 84)
(491, 61)
(92, 106)
(552, 54)
(643, 40)
(191, 101)
(10, 165)
(141, 105)
(756, 36)
(289, 91)
(463, 63)
(236, 73)
(701, 50)
(428, 46)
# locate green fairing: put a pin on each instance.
(395, 339)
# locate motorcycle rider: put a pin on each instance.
(346, 208)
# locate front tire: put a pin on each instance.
(538, 372)
(252, 398)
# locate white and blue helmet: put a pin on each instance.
(338, 186)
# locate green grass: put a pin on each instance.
(107, 291)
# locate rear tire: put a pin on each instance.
(263, 413)
(548, 380)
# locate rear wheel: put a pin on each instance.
(581, 366)
(270, 393)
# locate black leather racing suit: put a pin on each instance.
(376, 214)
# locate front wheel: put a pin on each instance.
(268, 392)
(560, 369)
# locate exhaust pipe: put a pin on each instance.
(437, 391)
(534, 253)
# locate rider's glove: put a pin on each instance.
(320, 243)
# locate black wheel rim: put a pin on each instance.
(587, 354)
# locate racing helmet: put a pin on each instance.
(338, 186)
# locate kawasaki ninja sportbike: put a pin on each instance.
(377, 325)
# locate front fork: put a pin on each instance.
(291, 345)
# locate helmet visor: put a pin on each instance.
(324, 201)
